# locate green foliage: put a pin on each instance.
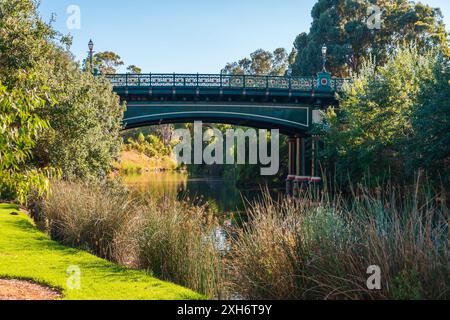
(431, 124)
(261, 62)
(373, 130)
(82, 111)
(150, 145)
(84, 139)
(107, 62)
(23, 42)
(135, 70)
(19, 128)
(407, 286)
(342, 26)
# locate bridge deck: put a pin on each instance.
(284, 103)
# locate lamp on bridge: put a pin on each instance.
(91, 51)
(324, 57)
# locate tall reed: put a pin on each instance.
(87, 215)
(178, 244)
(309, 249)
(304, 248)
(171, 239)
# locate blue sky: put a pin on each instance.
(187, 36)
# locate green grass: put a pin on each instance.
(27, 253)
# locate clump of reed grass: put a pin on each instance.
(321, 249)
(87, 215)
(178, 244)
(173, 240)
(304, 248)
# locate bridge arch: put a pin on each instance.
(289, 119)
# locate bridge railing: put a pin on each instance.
(220, 81)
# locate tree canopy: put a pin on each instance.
(262, 62)
(53, 115)
(107, 62)
(346, 27)
(134, 69)
(393, 120)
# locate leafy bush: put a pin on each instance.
(19, 130)
(151, 146)
(391, 121)
(53, 115)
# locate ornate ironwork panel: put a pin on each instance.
(144, 80)
(302, 83)
(255, 82)
(209, 80)
(278, 82)
(237, 81)
(162, 80)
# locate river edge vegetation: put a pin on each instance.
(60, 125)
(305, 248)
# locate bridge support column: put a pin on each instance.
(301, 179)
(316, 180)
(291, 167)
(299, 163)
(295, 188)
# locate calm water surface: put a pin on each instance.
(222, 195)
(218, 194)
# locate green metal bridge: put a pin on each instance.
(290, 104)
(284, 103)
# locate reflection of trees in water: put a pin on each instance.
(220, 195)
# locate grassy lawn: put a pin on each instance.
(27, 253)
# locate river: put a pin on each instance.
(220, 194)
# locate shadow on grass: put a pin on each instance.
(8, 206)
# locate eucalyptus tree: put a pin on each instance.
(353, 34)
(134, 69)
(107, 62)
(261, 62)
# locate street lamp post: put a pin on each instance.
(91, 51)
(324, 57)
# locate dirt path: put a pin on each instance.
(25, 290)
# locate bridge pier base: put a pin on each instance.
(299, 180)
(289, 186)
(290, 181)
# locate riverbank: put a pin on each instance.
(307, 248)
(134, 162)
(27, 253)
